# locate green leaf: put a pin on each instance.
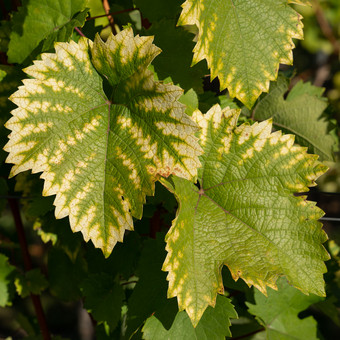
(300, 114)
(99, 156)
(5, 270)
(190, 100)
(243, 41)
(2, 75)
(32, 282)
(244, 215)
(155, 10)
(175, 60)
(44, 21)
(278, 313)
(65, 275)
(214, 324)
(149, 295)
(103, 298)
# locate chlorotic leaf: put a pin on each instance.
(300, 113)
(5, 270)
(32, 282)
(244, 215)
(278, 313)
(214, 324)
(103, 298)
(243, 41)
(99, 156)
(44, 21)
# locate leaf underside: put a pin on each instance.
(245, 215)
(243, 41)
(100, 157)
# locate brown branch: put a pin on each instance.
(13, 203)
(106, 6)
(80, 32)
(112, 13)
(326, 28)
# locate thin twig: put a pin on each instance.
(113, 13)
(28, 266)
(106, 6)
(80, 32)
(326, 28)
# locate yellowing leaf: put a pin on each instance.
(100, 157)
(244, 215)
(243, 41)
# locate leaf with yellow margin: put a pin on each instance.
(100, 157)
(244, 215)
(243, 41)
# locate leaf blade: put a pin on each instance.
(245, 215)
(235, 48)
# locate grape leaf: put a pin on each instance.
(244, 215)
(103, 298)
(278, 313)
(155, 10)
(149, 295)
(32, 282)
(2, 74)
(176, 44)
(300, 114)
(65, 275)
(214, 324)
(99, 156)
(44, 21)
(243, 41)
(5, 270)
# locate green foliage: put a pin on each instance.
(57, 19)
(103, 298)
(32, 282)
(5, 270)
(304, 102)
(214, 324)
(278, 313)
(196, 205)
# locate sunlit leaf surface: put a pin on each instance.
(244, 215)
(100, 156)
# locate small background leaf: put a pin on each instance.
(278, 313)
(300, 113)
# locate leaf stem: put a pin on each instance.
(14, 206)
(80, 32)
(106, 6)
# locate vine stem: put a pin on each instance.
(106, 6)
(14, 206)
(326, 28)
(80, 32)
